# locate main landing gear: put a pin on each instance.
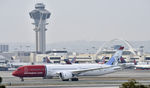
(72, 79)
(65, 79)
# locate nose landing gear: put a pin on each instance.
(22, 79)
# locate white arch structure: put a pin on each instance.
(131, 49)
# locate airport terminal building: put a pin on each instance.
(129, 54)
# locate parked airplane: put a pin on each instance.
(102, 61)
(70, 71)
(124, 64)
(142, 66)
(17, 64)
(46, 60)
(70, 62)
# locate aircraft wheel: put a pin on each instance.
(74, 79)
(22, 79)
(65, 79)
(47, 77)
(44, 77)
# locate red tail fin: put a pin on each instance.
(135, 63)
(121, 48)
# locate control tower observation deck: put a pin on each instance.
(40, 14)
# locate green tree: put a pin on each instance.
(133, 84)
(1, 86)
(0, 80)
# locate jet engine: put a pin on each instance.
(65, 76)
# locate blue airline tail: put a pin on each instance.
(114, 59)
(73, 60)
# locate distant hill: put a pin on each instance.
(77, 46)
(93, 46)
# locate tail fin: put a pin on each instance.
(135, 63)
(122, 60)
(102, 61)
(46, 60)
(73, 60)
(114, 59)
(97, 61)
(67, 61)
(70, 62)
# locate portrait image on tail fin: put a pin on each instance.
(115, 58)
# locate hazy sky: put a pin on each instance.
(90, 20)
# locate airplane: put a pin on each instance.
(70, 62)
(17, 64)
(102, 61)
(124, 64)
(142, 66)
(46, 60)
(71, 72)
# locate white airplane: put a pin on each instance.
(142, 66)
(70, 71)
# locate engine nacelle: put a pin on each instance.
(66, 75)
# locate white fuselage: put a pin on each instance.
(52, 70)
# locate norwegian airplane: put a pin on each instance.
(70, 71)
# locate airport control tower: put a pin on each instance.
(40, 14)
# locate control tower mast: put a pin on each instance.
(40, 14)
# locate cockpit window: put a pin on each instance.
(18, 69)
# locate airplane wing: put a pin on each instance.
(91, 69)
(79, 71)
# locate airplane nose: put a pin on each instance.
(14, 73)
